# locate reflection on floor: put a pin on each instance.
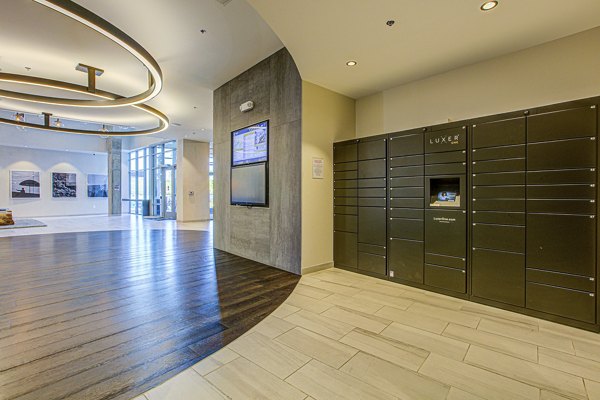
(346, 336)
(109, 315)
(90, 223)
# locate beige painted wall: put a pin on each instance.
(558, 71)
(192, 176)
(327, 117)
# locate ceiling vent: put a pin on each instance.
(224, 2)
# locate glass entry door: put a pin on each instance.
(165, 200)
(170, 207)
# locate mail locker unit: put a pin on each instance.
(561, 213)
(498, 164)
(406, 170)
(445, 209)
(372, 206)
(345, 205)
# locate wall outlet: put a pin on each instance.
(391, 274)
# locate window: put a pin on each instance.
(146, 176)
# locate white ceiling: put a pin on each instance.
(429, 37)
(193, 64)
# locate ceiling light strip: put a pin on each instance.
(105, 28)
(162, 118)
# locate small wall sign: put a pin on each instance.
(318, 168)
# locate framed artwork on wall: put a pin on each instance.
(25, 184)
(97, 185)
(64, 184)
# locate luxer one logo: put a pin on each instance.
(445, 139)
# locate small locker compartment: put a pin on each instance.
(345, 210)
(417, 191)
(406, 259)
(404, 144)
(372, 169)
(499, 237)
(345, 152)
(405, 161)
(371, 192)
(446, 232)
(413, 170)
(446, 158)
(499, 217)
(345, 251)
(372, 183)
(402, 228)
(345, 192)
(499, 133)
(507, 205)
(404, 202)
(346, 166)
(451, 279)
(459, 168)
(500, 153)
(509, 164)
(410, 213)
(371, 148)
(564, 154)
(345, 223)
(407, 181)
(564, 302)
(498, 276)
(372, 263)
(345, 175)
(567, 177)
(499, 178)
(558, 192)
(499, 192)
(371, 201)
(562, 243)
(372, 225)
(564, 124)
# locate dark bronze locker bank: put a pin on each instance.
(500, 210)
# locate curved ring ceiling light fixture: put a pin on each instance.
(105, 28)
(93, 21)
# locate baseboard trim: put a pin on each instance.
(316, 268)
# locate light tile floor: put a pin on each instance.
(346, 336)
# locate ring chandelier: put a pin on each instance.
(105, 99)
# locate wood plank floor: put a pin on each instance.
(110, 315)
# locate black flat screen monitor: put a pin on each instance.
(249, 185)
(250, 145)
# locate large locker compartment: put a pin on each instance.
(445, 209)
(561, 213)
(372, 206)
(345, 205)
(498, 158)
(407, 201)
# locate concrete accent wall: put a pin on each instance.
(562, 70)
(46, 162)
(193, 195)
(115, 191)
(269, 235)
(327, 117)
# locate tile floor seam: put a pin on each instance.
(522, 380)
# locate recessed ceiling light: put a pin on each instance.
(489, 5)
(351, 63)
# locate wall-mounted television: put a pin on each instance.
(250, 165)
(249, 185)
(250, 145)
